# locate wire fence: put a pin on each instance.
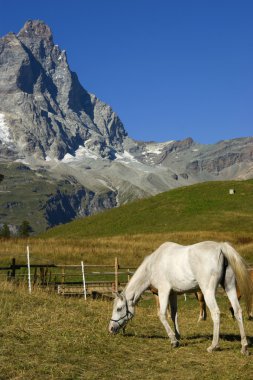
(69, 280)
(82, 279)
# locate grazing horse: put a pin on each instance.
(175, 269)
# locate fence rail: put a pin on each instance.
(69, 279)
(95, 280)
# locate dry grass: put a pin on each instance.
(44, 336)
(130, 249)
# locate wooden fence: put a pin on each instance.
(69, 280)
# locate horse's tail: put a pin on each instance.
(241, 272)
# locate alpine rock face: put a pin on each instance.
(53, 131)
(47, 110)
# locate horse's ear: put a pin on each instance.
(117, 295)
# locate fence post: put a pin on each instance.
(116, 274)
(13, 268)
(62, 276)
(84, 283)
(35, 276)
(42, 276)
(46, 276)
(29, 270)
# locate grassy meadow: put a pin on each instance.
(46, 336)
(202, 207)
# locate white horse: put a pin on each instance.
(175, 269)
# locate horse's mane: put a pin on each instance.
(140, 280)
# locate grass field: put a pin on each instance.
(44, 336)
(203, 207)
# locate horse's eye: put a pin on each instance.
(119, 309)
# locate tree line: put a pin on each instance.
(24, 230)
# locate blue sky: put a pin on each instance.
(169, 68)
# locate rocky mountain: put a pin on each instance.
(45, 110)
(70, 152)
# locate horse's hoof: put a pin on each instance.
(211, 349)
(175, 344)
(245, 351)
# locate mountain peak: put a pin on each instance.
(44, 107)
(36, 29)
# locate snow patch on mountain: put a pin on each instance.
(4, 130)
(80, 154)
(126, 157)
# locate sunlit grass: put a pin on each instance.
(130, 249)
(203, 207)
(44, 336)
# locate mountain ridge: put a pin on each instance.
(64, 134)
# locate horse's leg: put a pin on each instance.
(230, 289)
(238, 293)
(158, 305)
(209, 295)
(238, 316)
(173, 309)
(202, 305)
(163, 300)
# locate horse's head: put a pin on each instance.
(122, 312)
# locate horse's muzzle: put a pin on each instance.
(113, 328)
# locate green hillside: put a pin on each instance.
(31, 195)
(202, 207)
